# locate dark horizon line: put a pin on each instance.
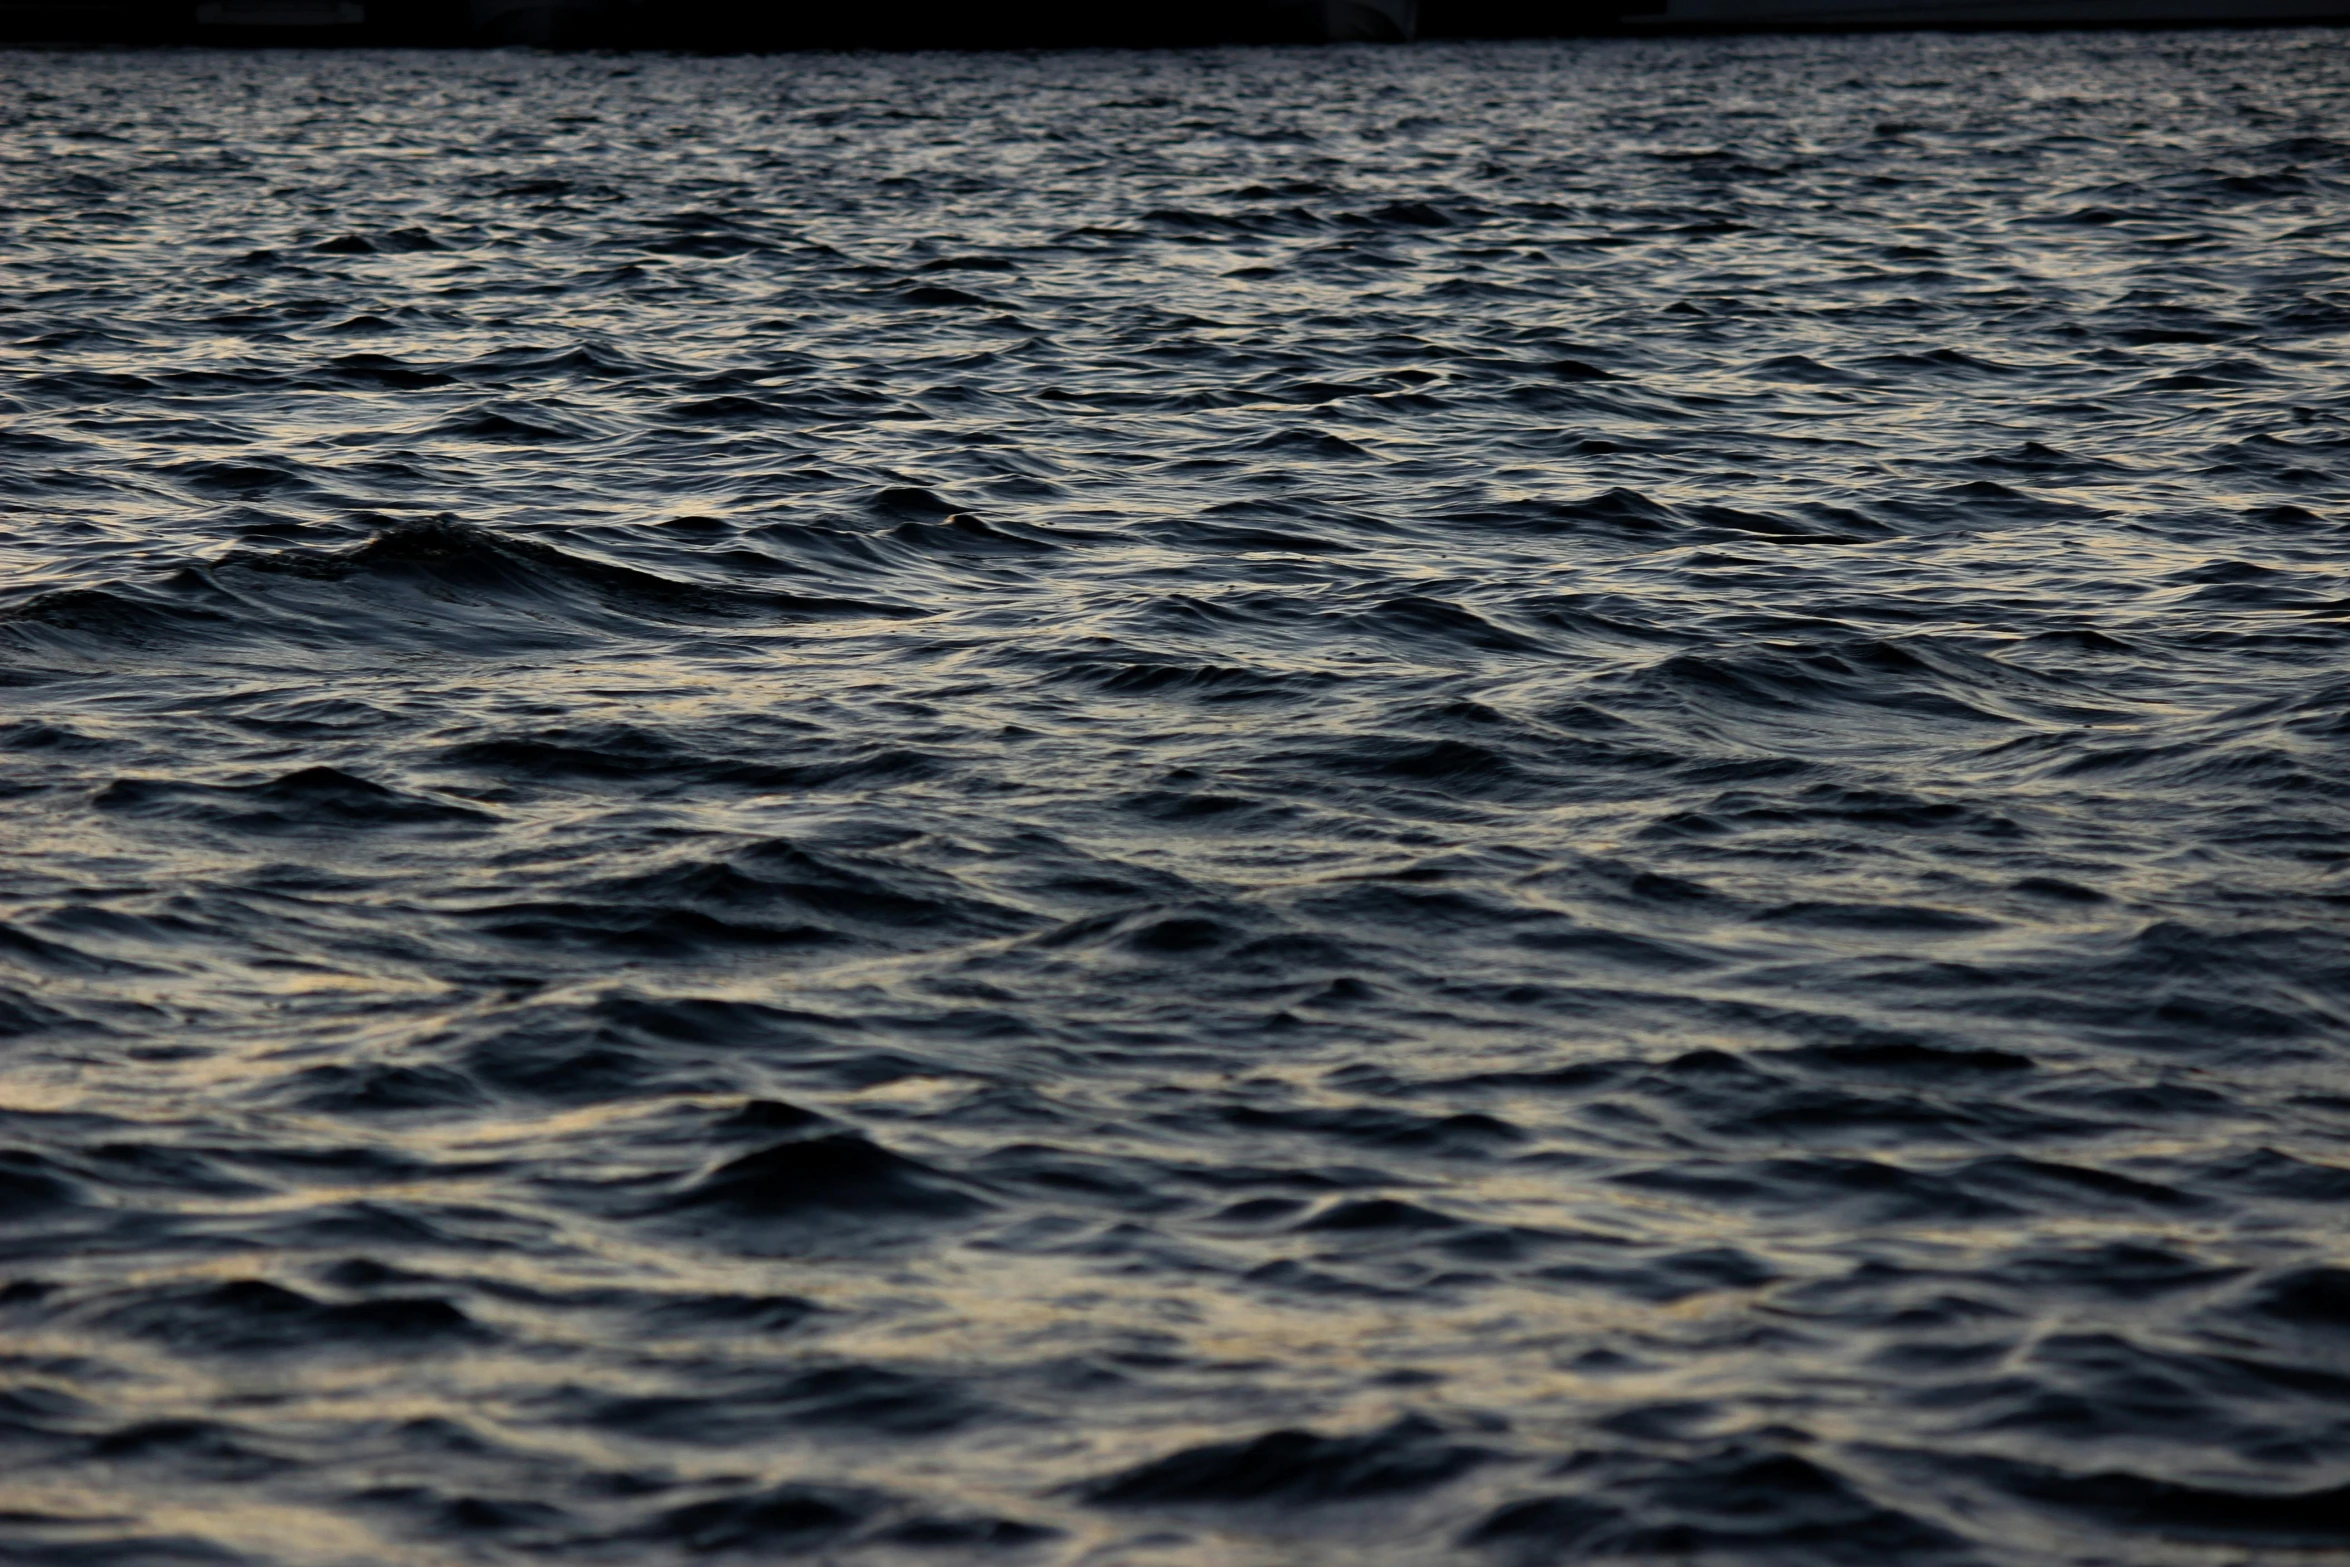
(728, 26)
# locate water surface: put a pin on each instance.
(1502, 804)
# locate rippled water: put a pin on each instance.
(1506, 804)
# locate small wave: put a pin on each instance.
(1737, 1498)
(1293, 1468)
(253, 1316)
(313, 798)
(841, 1174)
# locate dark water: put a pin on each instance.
(1503, 805)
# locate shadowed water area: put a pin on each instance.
(1504, 804)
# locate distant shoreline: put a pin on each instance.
(927, 24)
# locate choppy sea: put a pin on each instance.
(1502, 804)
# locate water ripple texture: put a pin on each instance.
(1512, 804)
